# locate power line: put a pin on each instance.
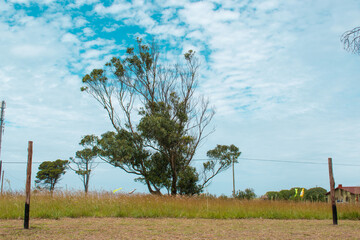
(298, 162)
(246, 159)
(286, 161)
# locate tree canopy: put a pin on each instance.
(248, 194)
(158, 118)
(221, 158)
(50, 172)
(312, 194)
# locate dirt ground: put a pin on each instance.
(175, 228)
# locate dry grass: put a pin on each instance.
(176, 228)
(76, 205)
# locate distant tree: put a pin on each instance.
(351, 40)
(84, 159)
(285, 194)
(158, 118)
(222, 156)
(50, 172)
(292, 194)
(272, 195)
(315, 194)
(247, 194)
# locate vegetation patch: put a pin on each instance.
(105, 204)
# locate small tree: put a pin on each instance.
(84, 159)
(315, 194)
(272, 195)
(50, 172)
(222, 156)
(286, 194)
(247, 194)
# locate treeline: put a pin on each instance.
(317, 194)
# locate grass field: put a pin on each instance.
(178, 228)
(105, 204)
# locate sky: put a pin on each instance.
(284, 89)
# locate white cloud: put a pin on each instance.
(30, 51)
(70, 38)
(25, 2)
(119, 7)
(80, 22)
(88, 32)
(112, 28)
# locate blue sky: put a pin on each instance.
(275, 71)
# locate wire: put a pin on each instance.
(246, 159)
(298, 162)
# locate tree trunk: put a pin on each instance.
(86, 183)
(174, 175)
(155, 192)
(173, 184)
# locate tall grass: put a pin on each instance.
(105, 204)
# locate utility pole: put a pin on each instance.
(2, 123)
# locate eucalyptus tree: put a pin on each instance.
(158, 117)
(50, 173)
(84, 159)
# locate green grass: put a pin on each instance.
(105, 204)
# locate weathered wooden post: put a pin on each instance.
(2, 181)
(0, 168)
(28, 186)
(0, 171)
(332, 192)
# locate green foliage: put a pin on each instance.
(222, 156)
(225, 154)
(316, 194)
(272, 195)
(158, 140)
(50, 172)
(312, 194)
(286, 194)
(248, 194)
(188, 182)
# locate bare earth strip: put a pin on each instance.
(175, 228)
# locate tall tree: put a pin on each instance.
(158, 118)
(50, 172)
(84, 159)
(351, 40)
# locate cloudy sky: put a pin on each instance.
(283, 87)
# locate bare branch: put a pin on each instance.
(351, 40)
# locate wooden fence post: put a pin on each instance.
(332, 192)
(2, 181)
(28, 186)
(0, 168)
(0, 172)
